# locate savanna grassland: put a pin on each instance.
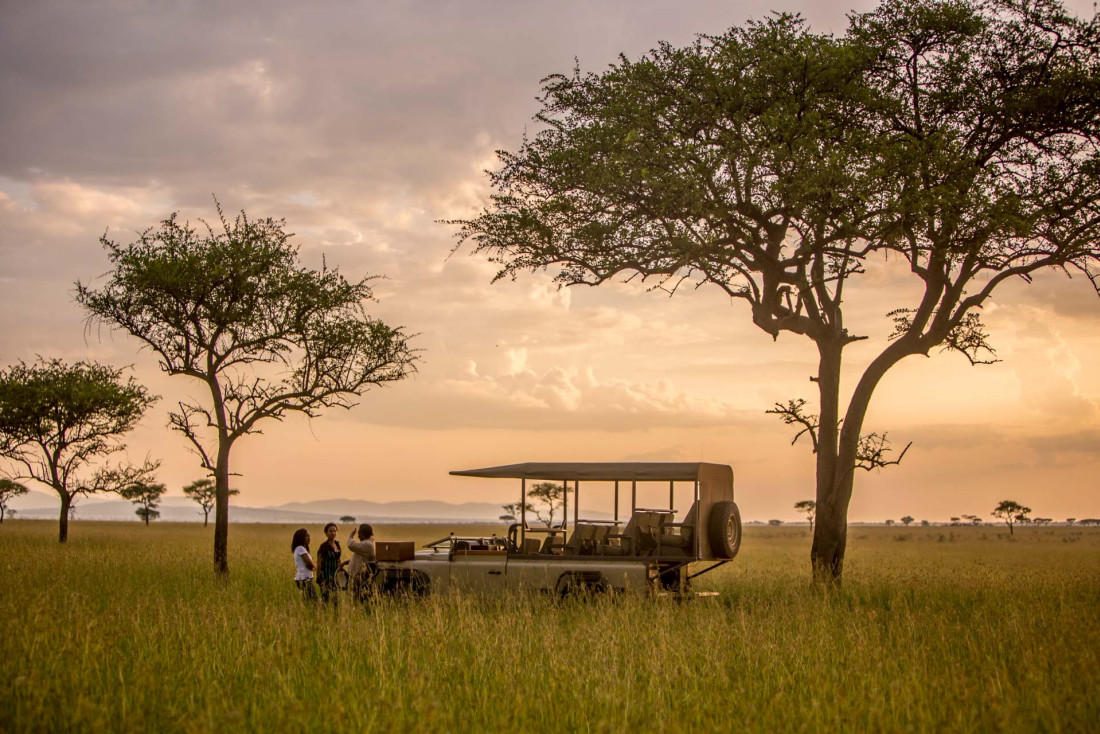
(935, 629)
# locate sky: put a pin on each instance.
(364, 124)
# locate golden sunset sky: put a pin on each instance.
(365, 123)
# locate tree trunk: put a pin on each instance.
(221, 510)
(830, 524)
(63, 530)
(206, 518)
(838, 451)
(146, 517)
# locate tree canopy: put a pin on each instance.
(1011, 512)
(8, 491)
(204, 493)
(58, 419)
(232, 307)
(146, 495)
(550, 496)
(956, 136)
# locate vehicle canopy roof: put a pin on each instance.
(713, 483)
(596, 471)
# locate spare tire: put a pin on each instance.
(724, 529)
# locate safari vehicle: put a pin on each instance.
(650, 549)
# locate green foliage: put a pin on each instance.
(219, 304)
(233, 308)
(971, 618)
(203, 492)
(809, 507)
(57, 419)
(9, 490)
(146, 495)
(550, 496)
(960, 137)
(1011, 512)
(147, 514)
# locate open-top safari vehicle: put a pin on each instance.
(648, 549)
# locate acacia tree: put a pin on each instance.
(8, 491)
(550, 496)
(810, 508)
(1011, 512)
(907, 520)
(958, 137)
(233, 309)
(513, 510)
(146, 495)
(203, 492)
(57, 419)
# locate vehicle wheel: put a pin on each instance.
(403, 583)
(724, 529)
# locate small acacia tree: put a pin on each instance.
(513, 511)
(9, 490)
(347, 519)
(809, 507)
(202, 491)
(907, 520)
(56, 419)
(549, 496)
(958, 137)
(1011, 512)
(233, 309)
(146, 495)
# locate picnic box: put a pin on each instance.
(395, 550)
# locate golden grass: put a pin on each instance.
(935, 629)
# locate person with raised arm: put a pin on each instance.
(363, 557)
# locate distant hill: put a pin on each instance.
(37, 505)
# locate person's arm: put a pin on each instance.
(308, 560)
(358, 546)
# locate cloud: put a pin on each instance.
(364, 124)
(551, 399)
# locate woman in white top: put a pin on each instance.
(303, 564)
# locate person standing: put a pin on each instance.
(363, 557)
(328, 557)
(303, 564)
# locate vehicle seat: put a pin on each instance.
(679, 534)
(581, 542)
(532, 545)
(599, 539)
(626, 540)
(647, 528)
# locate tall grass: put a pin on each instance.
(126, 628)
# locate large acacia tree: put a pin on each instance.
(232, 308)
(59, 420)
(958, 137)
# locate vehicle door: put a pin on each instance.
(479, 571)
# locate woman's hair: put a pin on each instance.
(365, 531)
(329, 525)
(300, 539)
